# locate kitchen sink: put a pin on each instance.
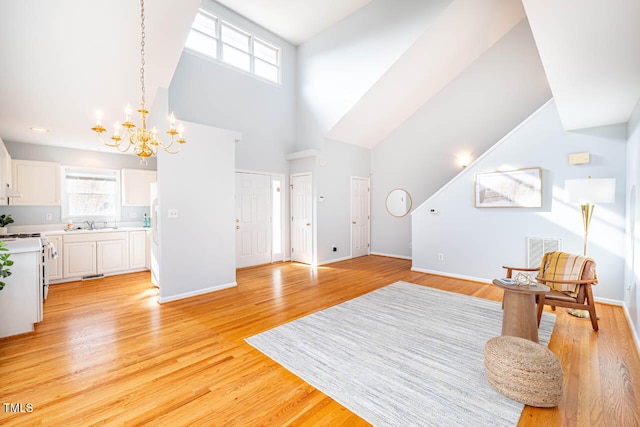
(74, 230)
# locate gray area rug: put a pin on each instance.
(403, 355)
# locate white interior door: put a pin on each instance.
(301, 218)
(253, 219)
(359, 217)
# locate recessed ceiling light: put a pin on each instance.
(39, 129)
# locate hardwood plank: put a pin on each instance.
(108, 353)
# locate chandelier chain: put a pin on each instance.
(142, 35)
(144, 142)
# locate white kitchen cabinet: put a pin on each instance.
(55, 265)
(90, 253)
(137, 249)
(21, 298)
(37, 182)
(147, 251)
(112, 256)
(135, 186)
(5, 172)
(79, 259)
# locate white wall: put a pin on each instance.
(632, 270)
(476, 242)
(492, 96)
(197, 249)
(337, 163)
(337, 66)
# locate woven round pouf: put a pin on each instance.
(524, 371)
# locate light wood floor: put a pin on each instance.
(108, 353)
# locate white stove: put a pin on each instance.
(28, 242)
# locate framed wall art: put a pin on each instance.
(521, 188)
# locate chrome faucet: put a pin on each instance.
(91, 224)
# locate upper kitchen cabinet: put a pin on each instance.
(37, 182)
(136, 188)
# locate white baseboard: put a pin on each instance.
(609, 301)
(331, 261)
(391, 255)
(634, 332)
(455, 276)
(170, 298)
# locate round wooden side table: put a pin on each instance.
(519, 318)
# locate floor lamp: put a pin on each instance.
(588, 192)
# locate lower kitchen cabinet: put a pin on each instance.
(79, 259)
(137, 249)
(21, 299)
(54, 265)
(89, 253)
(112, 256)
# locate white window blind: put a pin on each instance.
(90, 193)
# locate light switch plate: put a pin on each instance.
(173, 213)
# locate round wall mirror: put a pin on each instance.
(398, 202)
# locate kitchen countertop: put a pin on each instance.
(86, 231)
(28, 244)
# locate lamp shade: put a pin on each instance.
(590, 190)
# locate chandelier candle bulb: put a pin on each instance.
(98, 128)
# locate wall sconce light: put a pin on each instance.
(464, 159)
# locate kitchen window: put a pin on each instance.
(90, 193)
(220, 40)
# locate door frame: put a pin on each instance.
(368, 179)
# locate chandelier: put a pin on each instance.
(144, 142)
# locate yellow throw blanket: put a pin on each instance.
(563, 266)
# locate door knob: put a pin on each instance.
(237, 220)
(237, 227)
(353, 222)
(308, 224)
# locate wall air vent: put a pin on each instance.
(93, 276)
(538, 246)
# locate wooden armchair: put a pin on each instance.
(580, 299)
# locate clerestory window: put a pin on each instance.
(227, 43)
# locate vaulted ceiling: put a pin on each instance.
(64, 59)
(590, 51)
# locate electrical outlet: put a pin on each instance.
(49, 216)
(334, 249)
(133, 215)
(440, 257)
(172, 213)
